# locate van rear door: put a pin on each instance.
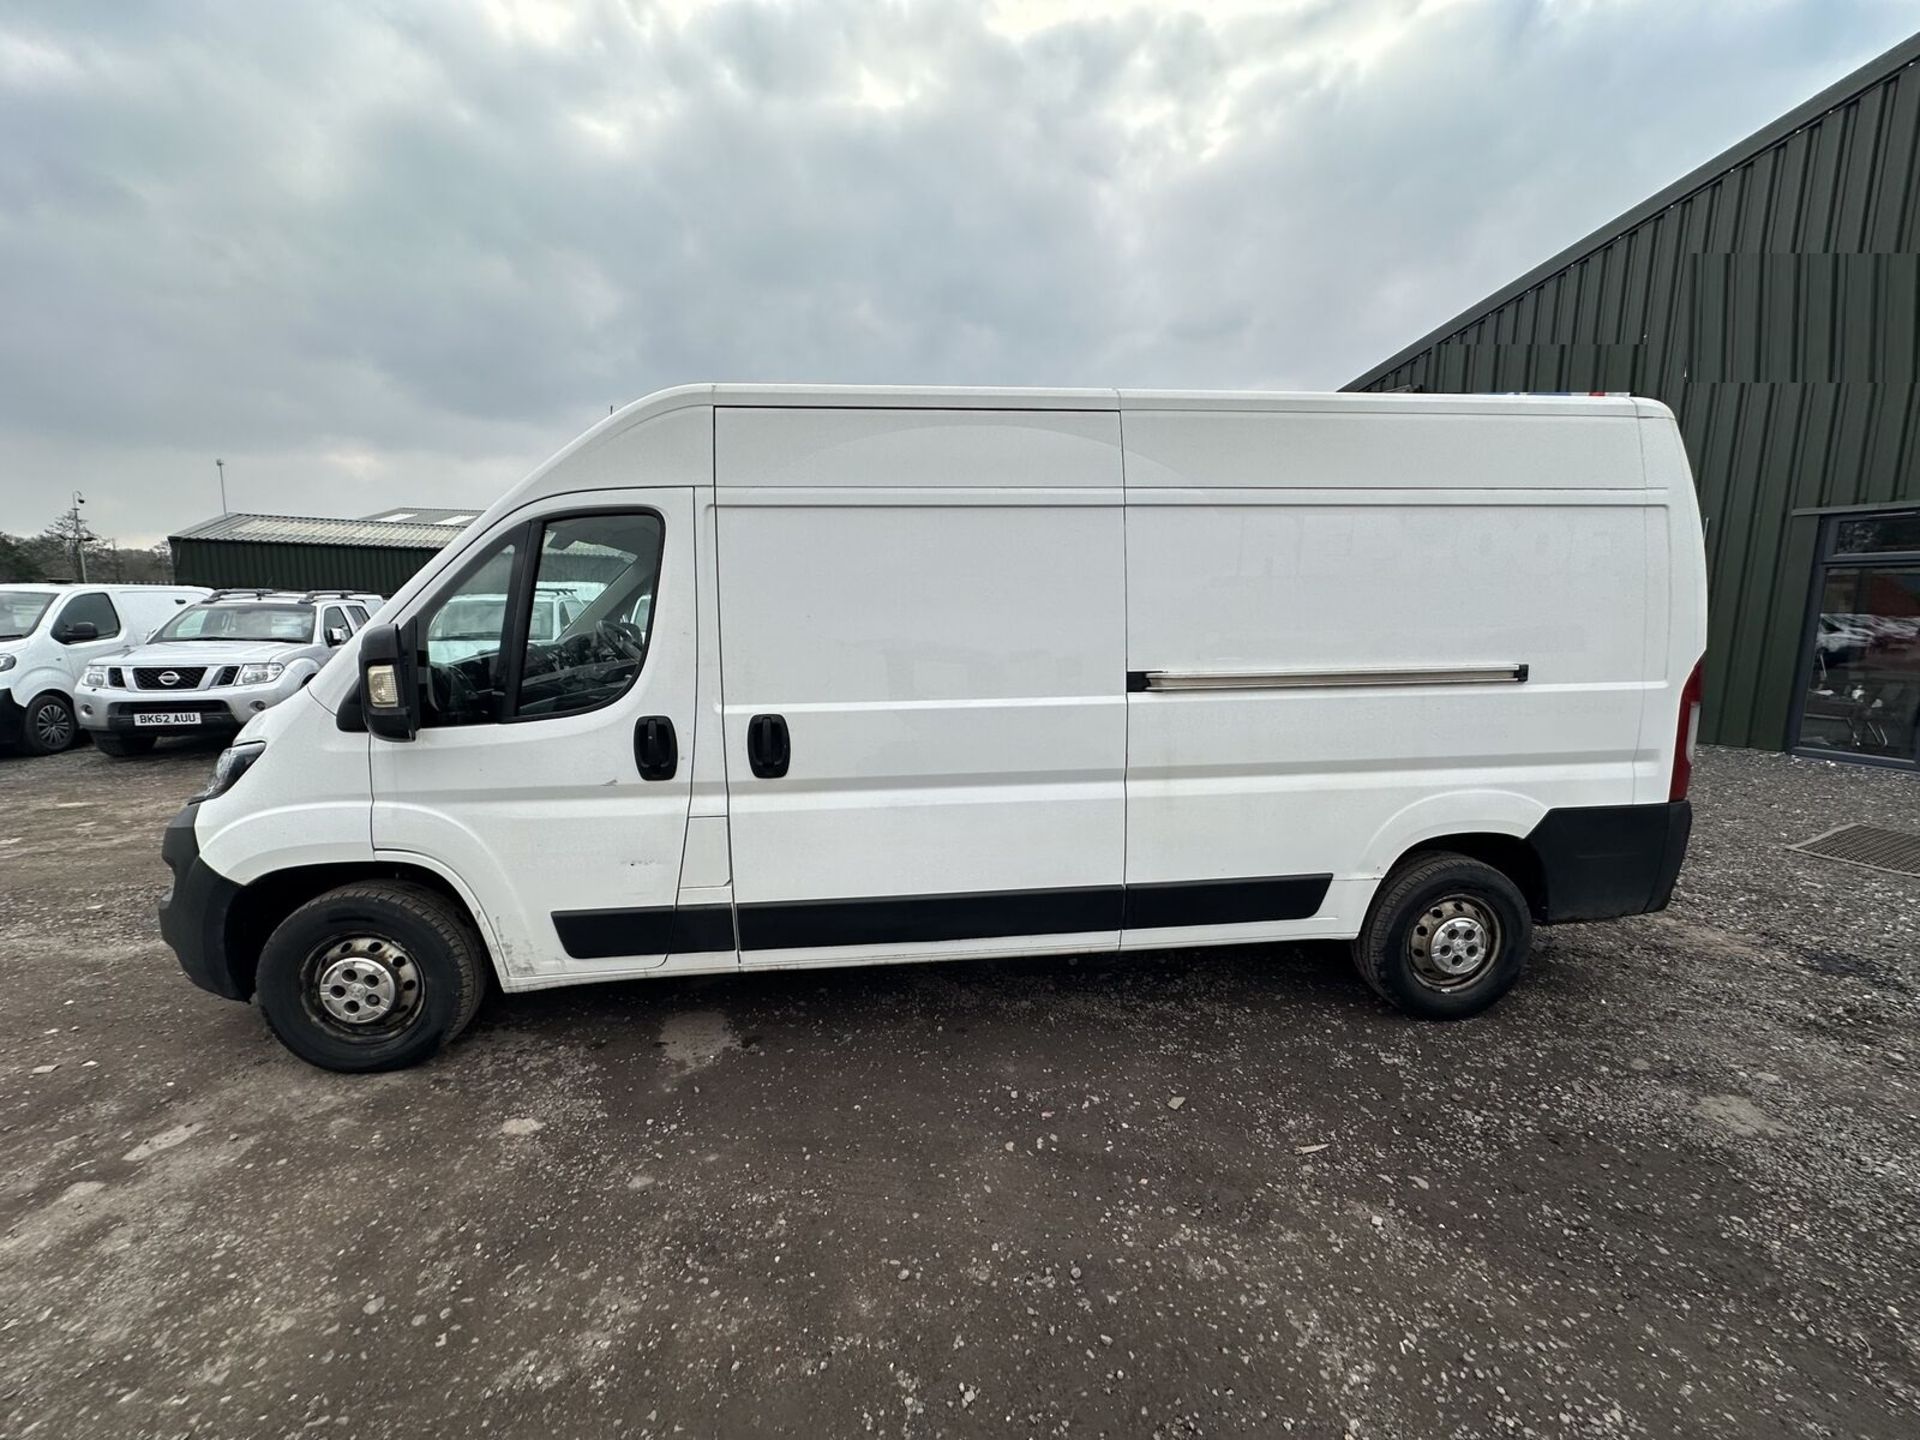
(923, 663)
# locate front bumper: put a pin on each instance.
(222, 709)
(215, 717)
(193, 917)
(13, 719)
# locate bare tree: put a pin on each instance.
(75, 538)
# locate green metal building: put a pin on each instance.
(1772, 298)
(297, 552)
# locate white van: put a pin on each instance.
(877, 675)
(50, 634)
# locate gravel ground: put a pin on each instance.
(1667, 1188)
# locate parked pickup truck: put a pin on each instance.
(213, 667)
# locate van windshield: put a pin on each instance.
(20, 611)
(290, 623)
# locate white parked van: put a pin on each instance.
(885, 675)
(50, 634)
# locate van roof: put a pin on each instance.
(982, 397)
(970, 397)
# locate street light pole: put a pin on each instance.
(79, 538)
(221, 466)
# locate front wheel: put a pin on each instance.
(1446, 937)
(47, 728)
(372, 976)
(109, 742)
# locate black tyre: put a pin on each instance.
(109, 742)
(373, 976)
(47, 728)
(1446, 937)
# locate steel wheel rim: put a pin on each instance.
(1454, 943)
(362, 987)
(53, 725)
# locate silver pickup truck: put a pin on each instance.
(215, 665)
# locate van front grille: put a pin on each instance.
(167, 677)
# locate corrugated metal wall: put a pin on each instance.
(1777, 310)
(378, 569)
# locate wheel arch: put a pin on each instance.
(38, 681)
(1512, 855)
(259, 906)
(39, 692)
(1491, 826)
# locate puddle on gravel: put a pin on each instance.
(696, 1039)
(1854, 967)
(1740, 1115)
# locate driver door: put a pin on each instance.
(545, 773)
(88, 607)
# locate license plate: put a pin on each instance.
(167, 717)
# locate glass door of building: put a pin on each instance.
(1860, 690)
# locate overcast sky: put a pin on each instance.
(380, 253)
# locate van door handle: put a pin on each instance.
(768, 746)
(656, 750)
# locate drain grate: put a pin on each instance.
(1868, 845)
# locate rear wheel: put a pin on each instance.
(109, 742)
(372, 976)
(1446, 937)
(47, 728)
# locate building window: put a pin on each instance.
(1861, 692)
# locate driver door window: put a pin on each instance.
(595, 656)
(501, 647)
(93, 609)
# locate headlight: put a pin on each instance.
(234, 762)
(96, 675)
(260, 674)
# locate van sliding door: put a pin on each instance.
(923, 658)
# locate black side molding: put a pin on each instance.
(1224, 902)
(655, 930)
(903, 919)
(1603, 861)
(985, 915)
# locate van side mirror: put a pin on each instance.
(389, 680)
(74, 632)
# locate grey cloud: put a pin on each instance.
(393, 252)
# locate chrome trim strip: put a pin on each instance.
(1329, 679)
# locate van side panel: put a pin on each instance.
(933, 604)
(1350, 445)
(1468, 543)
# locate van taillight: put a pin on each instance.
(1688, 735)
